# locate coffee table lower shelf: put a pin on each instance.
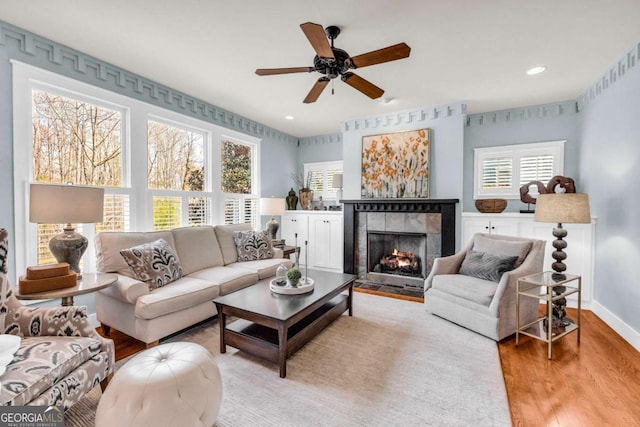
(265, 342)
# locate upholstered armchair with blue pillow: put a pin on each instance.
(476, 288)
(61, 356)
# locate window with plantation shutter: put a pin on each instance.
(319, 176)
(187, 172)
(501, 171)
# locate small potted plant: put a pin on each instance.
(293, 277)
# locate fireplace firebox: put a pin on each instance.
(397, 253)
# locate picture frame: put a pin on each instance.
(396, 165)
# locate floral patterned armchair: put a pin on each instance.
(61, 356)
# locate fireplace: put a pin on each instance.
(393, 254)
(421, 229)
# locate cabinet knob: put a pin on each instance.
(487, 227)
(493, 228)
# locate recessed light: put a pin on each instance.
(386, 100)
(536, 70)
(289, 117)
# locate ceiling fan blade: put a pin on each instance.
(364, 86)
(390, 53)
(316, 90)
(318, 39)
(274, 71)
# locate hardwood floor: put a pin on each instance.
(594, 384)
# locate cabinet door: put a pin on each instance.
(325, 242)
(504, 227)
(293, 224)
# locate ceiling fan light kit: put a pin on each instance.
(334, 62)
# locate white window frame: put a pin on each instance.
(25, 78)
(255, 188)
(515, 152)
(328, 192)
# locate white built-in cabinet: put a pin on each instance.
(580, 237)
(323, 230)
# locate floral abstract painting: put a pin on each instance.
(396, 165)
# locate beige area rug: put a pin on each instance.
(391, 364)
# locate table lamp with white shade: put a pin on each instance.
(272, 207)
(66, 204)
(337, 183)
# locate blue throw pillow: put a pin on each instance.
(486, 266)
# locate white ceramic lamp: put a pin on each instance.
(272, 207)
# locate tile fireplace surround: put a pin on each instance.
(434, 217)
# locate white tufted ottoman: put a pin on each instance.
(174, 384)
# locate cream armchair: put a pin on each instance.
(61, 356)
(484, 306)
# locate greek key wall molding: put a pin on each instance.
(624, 64)
(334, 138)
(525, 113)
(41, 52)
(408, 117)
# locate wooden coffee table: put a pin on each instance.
(273, 326)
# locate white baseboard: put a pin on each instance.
(624, 330)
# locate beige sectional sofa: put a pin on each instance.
(210, 268)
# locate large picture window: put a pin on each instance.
(79, 142)
(237, 184)
(159, 169)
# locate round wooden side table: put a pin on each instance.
(90, 282)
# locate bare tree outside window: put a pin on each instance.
(80, 143)
(175, 158)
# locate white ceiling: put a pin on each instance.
(474, 51)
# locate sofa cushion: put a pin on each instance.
(252, 245)
(486, 266)
(224, 233)
(476, 290)
(154, 263)
(197, 248)
(502, 247)
(40, 362)
(264, 267)
(227, 278)
(179, 295)
(109, 244)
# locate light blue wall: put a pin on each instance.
(610, 156)
(446, 124)
(321, 148)
(278, 150)
(530, 124)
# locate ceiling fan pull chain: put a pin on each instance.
(332, 92)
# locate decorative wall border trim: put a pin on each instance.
(44, 53)
(624, 64)
(525, 113)
(334, 138)
(405, 117)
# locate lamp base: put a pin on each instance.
(559, 305)
(272, 228)
(69, 247)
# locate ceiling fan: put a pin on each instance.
(334, 62)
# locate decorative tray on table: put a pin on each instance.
(305, 285)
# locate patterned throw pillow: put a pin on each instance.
(487, 266)
(252, 245)
(154, 263)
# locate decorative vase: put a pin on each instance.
(306, 197)
(292, 200)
